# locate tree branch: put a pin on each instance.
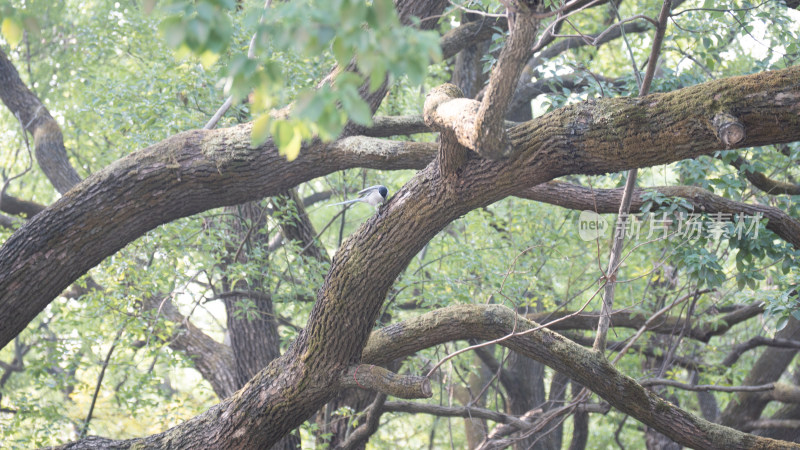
(213, 360)
(376, 378)
(766, 184)
(739, 349)
(770, 423)
(704, 387)
(48, 141)
(361, 434)
(466, 412)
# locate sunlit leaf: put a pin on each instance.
(260, 131)
(292, 149)
(12, 31)
(208, 58)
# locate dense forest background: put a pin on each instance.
(132, 304)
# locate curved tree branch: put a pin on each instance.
(765, 183)
(213, 360)
(48, 141)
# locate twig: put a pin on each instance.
(100, 381)
(655, 316)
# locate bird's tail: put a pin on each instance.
(347, 202)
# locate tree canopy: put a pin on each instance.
(591, 237)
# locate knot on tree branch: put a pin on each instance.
(367, 376)
(728, 129)
(455, 118)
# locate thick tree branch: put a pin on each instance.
(386, 345)
(468, 34)
(376, 378)
(784, 393)
(15, 206)
(768, 368)
(385, 126)
(490, 139)
(771, 423)
(48, 141)
(8, 222)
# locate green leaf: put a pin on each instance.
(173, 30)
(284, 132)
(376, 78)
(384, 10)
(341, 52)
(260, 131)
(197, 33)
(356, 108)
(12, 31)
(292, 149)
(782, 322)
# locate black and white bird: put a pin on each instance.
(373, 195)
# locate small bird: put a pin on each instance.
(373, 195)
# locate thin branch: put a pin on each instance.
(251, 53)
(100, 381)
(652, 319)
(705, 387)
(625, 204)
(608, 30)
(739, 349)
(658, 39)
(466, 412)
(359, 437)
